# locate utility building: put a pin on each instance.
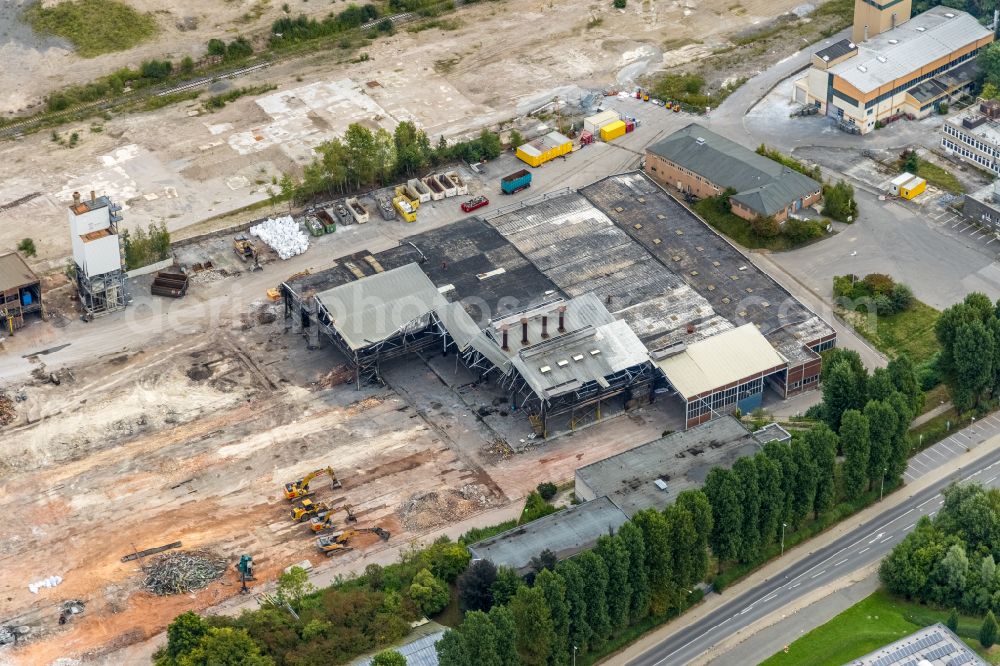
(697, 161)
(20, 292)
(894, 65)
(973, 135)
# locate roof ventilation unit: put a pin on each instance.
(949, 15)
(921, 29)
(700, 141)
(882, 59)
(862, 68)
(894, 41)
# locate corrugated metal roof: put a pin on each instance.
(918, 42)
(720, 360)
(14, 272)
(378, 306)
(459, 324)
(764, 186)
(420, 652)
(837, 50)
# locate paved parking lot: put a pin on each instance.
(954, 223)
(971, 433)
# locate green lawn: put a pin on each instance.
(939, 177)
(93, 26)
(868, 625)
(910, 332)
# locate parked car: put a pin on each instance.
(475, 203)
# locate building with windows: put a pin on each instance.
(894, 66)
(698, 161)
(982, 207)
(974, 135)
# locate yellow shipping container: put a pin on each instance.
(912, 188)
(612, 131)
(548, 147)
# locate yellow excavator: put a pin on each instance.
(299, 489)
(324, 520)
(307, 508)
(337, 541)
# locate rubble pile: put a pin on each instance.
(174, 573)
(340, 374)
(433, 508)
(283, 235)
(7, 412)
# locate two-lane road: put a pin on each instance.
(855, 550)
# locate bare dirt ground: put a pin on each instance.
(190, 439)
(181, 165)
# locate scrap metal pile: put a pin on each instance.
(174, 573)
(7, 412)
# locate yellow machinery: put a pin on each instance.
(245, 248)
(337, 542)
(298, 489)
(308, 508)
(324, 519)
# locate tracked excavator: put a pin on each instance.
(324, 519)
(337, 542)
(299, 489)
(307, 508)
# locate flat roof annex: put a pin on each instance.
(720, 360)
(376, 307)
(565, 533)
(934, 34)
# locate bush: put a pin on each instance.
(619, 4)
(547, 490)
(838, 202)
(27, 247)
(878, 284)
(216, 47)
(943, 108)
(156, 69)
(765, 227)
(428, 592)
(534, 508)
(238, 49)
(800, 231)
(909, 161)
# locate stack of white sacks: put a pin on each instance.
(49, 582)
(283, 235)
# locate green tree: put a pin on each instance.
(187, 65)
(553, 588)
(988, 631)
(183, 634)
(506, 635)
(855, 442)
(952, 621)
(822, 442)
(781, 453)
(489, 143)
(746, 477)
(516, 139)
(27, 247)
(882, 425)
(216, 47)
(225, 647)
(989, 63)
(294, 584)
(360, 153)
(723, 492)
(843, 389)
(656, 539)
(772, 498)
(412, 148)
(806, 480)
(638, 577)
(428, 592)
(388, 658)
(947, 325)
(616, 559)
(899, 457)
(580, 633)
(595, 575)
(475, 586)
(832, 356)
(451, 649)
(879, 384)
(480, 640)
(696, 504)
(384, 155)
(506, 585)
(973, 359)
(903, 374)
(684, 543)
(951, 573)
(909, 161)
(838, 201)
(535, 630)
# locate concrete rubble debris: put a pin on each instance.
(46, 583)
(174, 573)
(283, 235)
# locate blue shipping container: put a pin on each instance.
(515, 182)
(26, 298)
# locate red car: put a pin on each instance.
(473, 204)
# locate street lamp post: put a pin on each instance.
(574, 655)
(783, 526)
(882, 487)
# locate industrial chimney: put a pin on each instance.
(524, 330)
(76, 198)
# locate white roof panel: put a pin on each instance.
(720, 360)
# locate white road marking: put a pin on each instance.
(926, 501)
(932, 513)
(945, 445)
(879, 536)
(818, 574)
(795, 586)
(908, 526)
(911, 477)
(769, 597)
(862, 551)
(991, 480)
(840, 562)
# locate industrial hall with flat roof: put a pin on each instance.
(894, 65)
(581, 305)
